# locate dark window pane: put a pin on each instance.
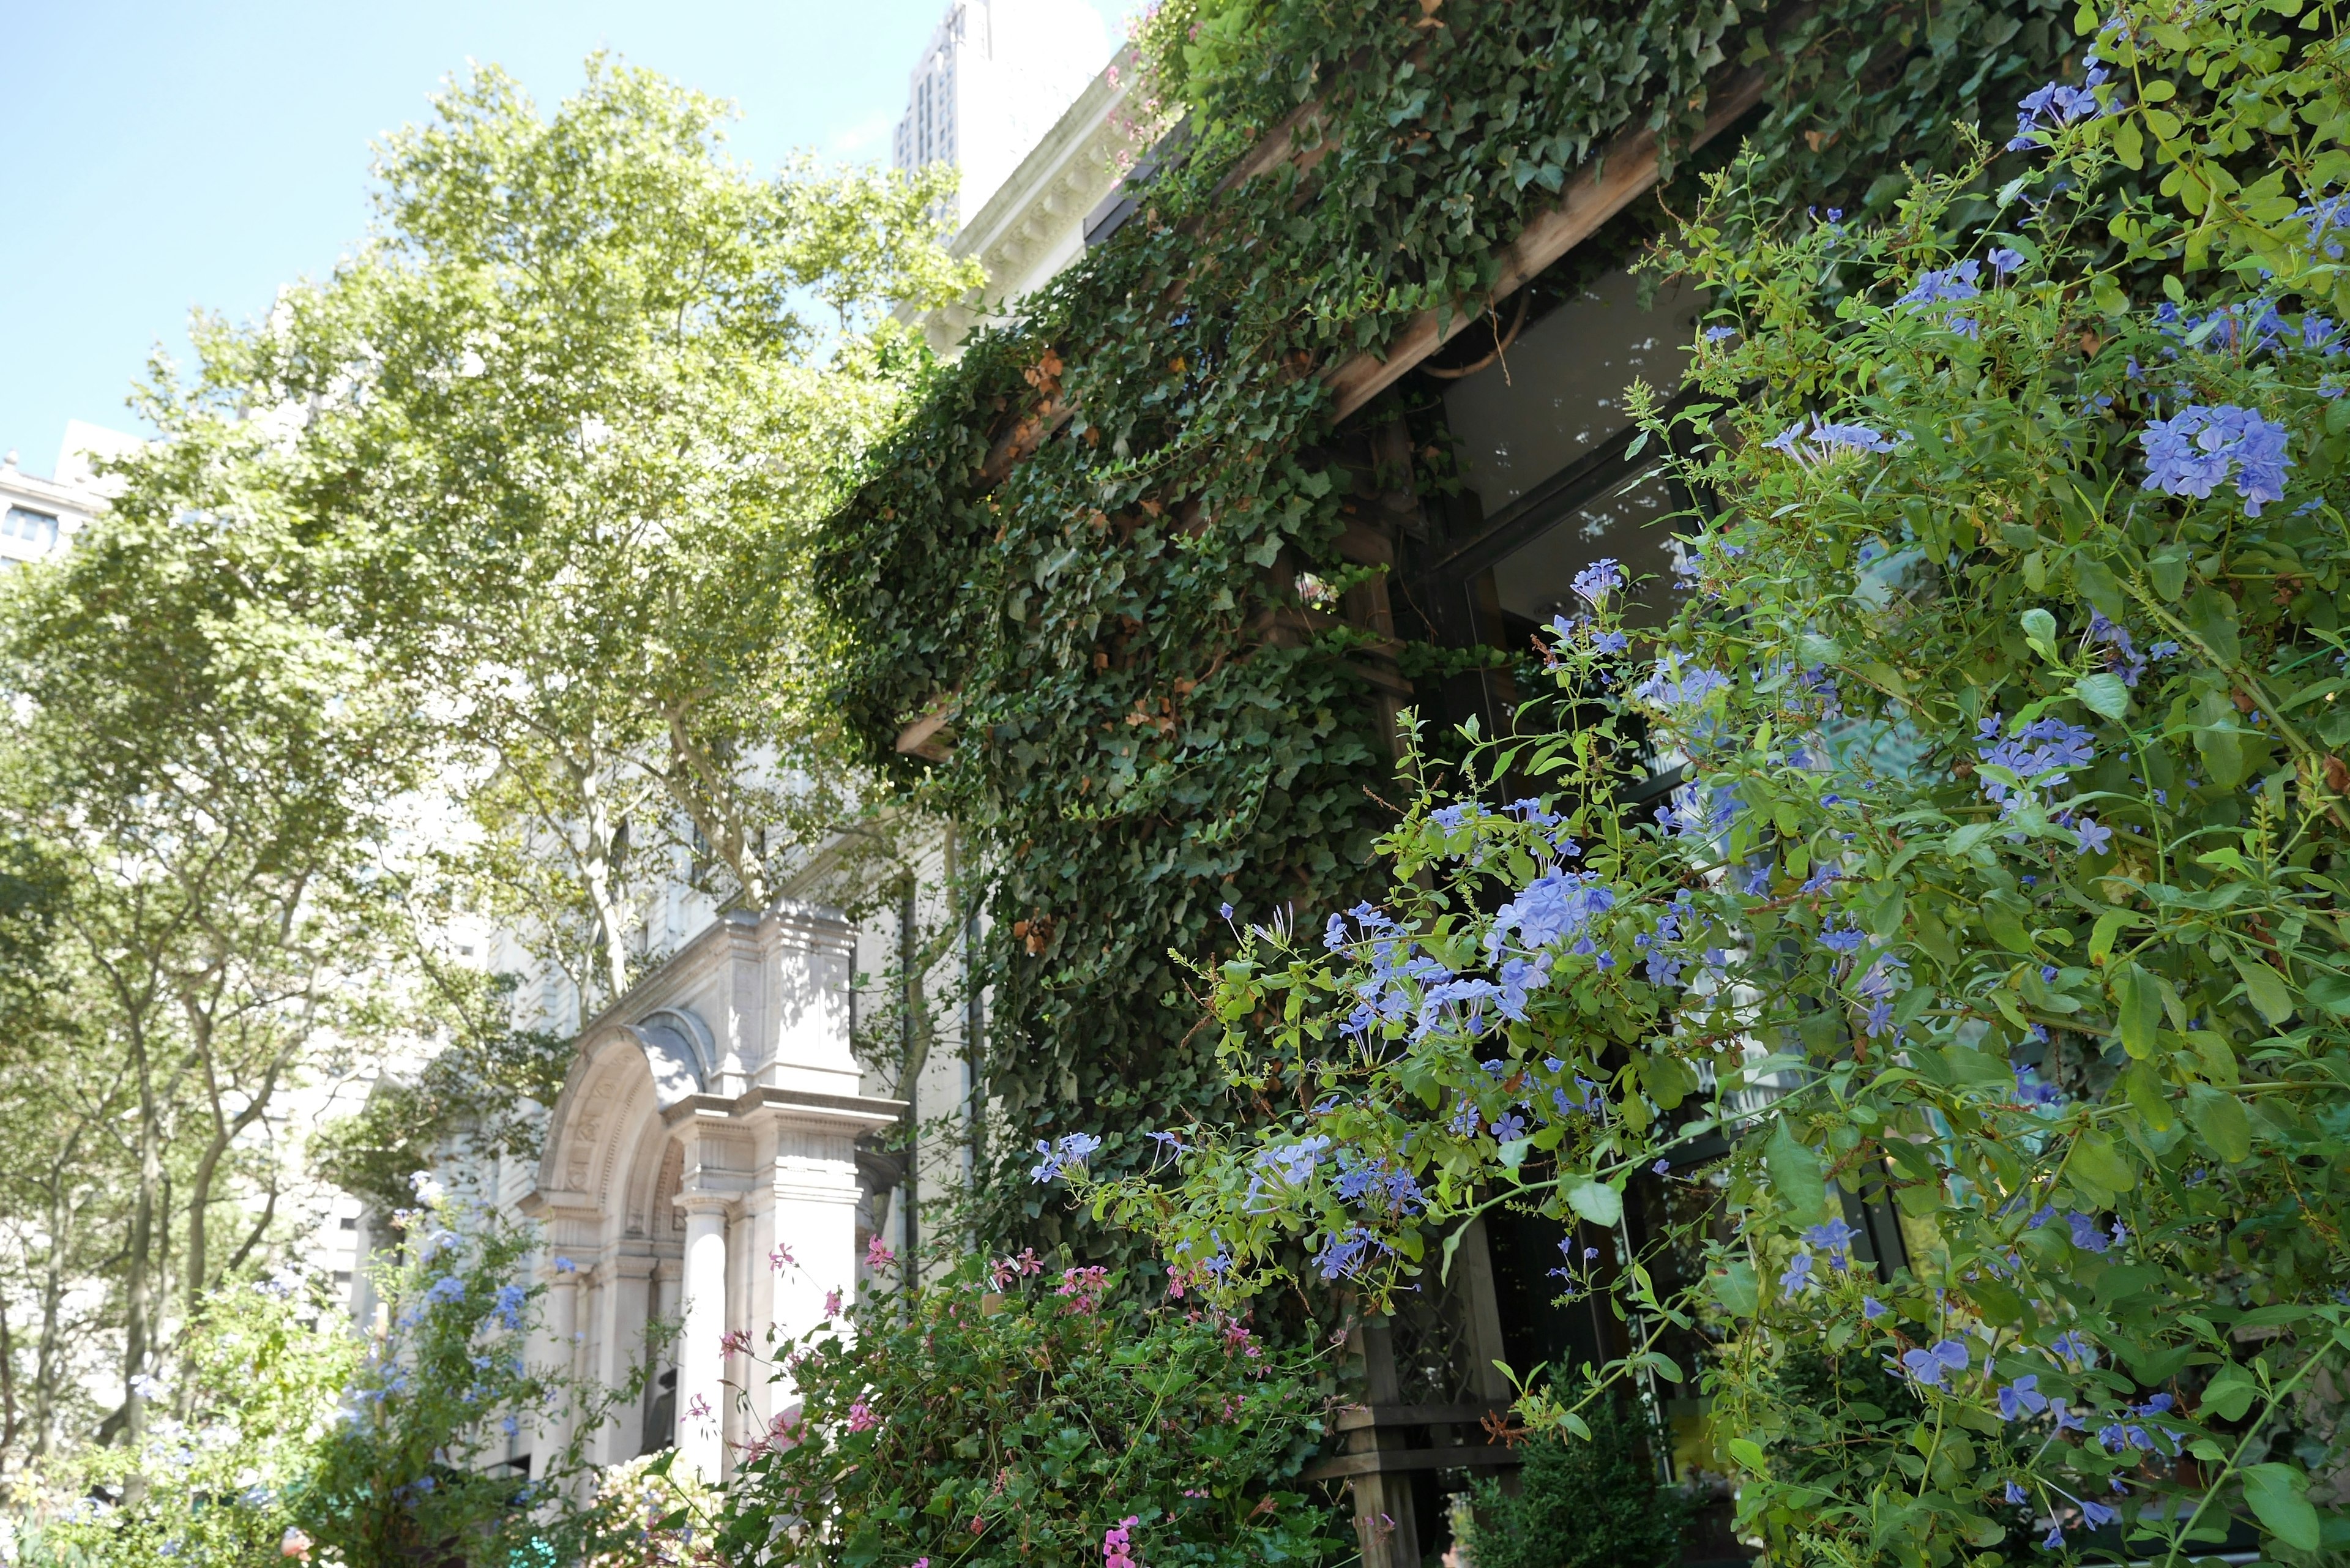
(1627, 522)
(1558, 391)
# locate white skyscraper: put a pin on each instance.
(996, 76)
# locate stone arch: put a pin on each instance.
(623, 1075)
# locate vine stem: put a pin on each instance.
(2235, 1460)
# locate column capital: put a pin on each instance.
(698, 1203)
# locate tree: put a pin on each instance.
(213, 779)
(573, 405)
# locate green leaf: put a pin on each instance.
(2230, 1395)
(1735, 1289)
(2144, 1084)
(2103, 695)
(2095, 581)
(1795, 1176)
(1596, 1201)
(1748, 1453)
(2267, 989)
(2278, 1498)
(2137, 1008)
(2219, 1117)
(2212, 614)
(2099, 1158)
(2168, 571)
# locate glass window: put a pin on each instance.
(1535, 582)
(38, 529)
(1557, 394)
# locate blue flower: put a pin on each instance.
(447, 1288)
(2199, 448)
(2097, 1514)
(1936, 1361)
(1797, 1279)
(1842, 938)
(2015, 1495)
(1599, 579)
(1072, 1150)
(1716, 334)
(2085, 1234)
(565, 1266)
(2021, 1397)
(1834, 1237)
(2004, 260)
(1344, 1254)
(2054, 1539)
(1871, 1309)
(1822, 440)
(2091, 836)
(2050, 108)
(1225, 910)
(2072, 1346)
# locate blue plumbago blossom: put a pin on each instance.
(1835, 1238)
(2041, 755)
(1717, 334)
(2051, 108)
(1698, 811)
(1557, 907)
(2201, 448)
(2097, 1515)
(2015, 1495)
(1931, 1366)
(1797, 1279)
(2072, 1346)
(1946, 286)
(2085, 1234)
(2123, 658)
(1072, 1149)
(1871, 1309)
(2021, 1397)
(1376, 1183)
(507, 1306)
(1599, 579)
(2054, 1539)
(1670, 685)
(2091, 836)
(447, 1288)
(1820, 439)
(2067, 1419)
(2004, 260)
(1345, 1252)
(2323, 217)
(2029, 1091)
(1844, 938)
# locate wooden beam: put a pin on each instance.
(1607, 183)
(1389, 1462)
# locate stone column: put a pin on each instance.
(701, 1364)
(622, 1304)
(559, 1357)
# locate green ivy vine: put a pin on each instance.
(1139, 734)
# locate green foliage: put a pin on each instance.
(212, 1480)
(1140, 735)
(1594, 1503)
(1998, 892)
(1000, 1416)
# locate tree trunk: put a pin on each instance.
(138, 1281)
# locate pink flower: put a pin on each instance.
(698, 1409)
(921, 1562)
(861, 1417)
(780, 1259)
(1084, 1287)
(977, 1524)
(877, 1255)
(1116, 1543)
(832, 1303)
(733, 1340)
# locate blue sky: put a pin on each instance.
(158, 156)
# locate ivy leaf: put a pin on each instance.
(1795, 1176)
(2278, 1498)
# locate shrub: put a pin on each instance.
(1595, 1504)
(1005, 1417)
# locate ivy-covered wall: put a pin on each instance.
(1146, 722)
